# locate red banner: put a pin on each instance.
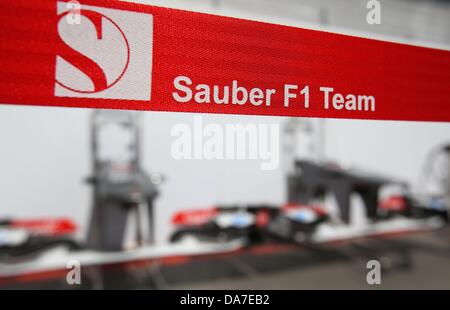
(110, 54)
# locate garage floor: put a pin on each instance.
(416, 261)
(419, 261)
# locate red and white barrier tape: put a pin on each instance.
(119, 55)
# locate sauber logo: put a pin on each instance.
(107, 54)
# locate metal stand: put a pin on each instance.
(123, 195)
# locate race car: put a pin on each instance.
(222, 224)
(297, 222)
(403, 205)
(255, 223)
(31, 237)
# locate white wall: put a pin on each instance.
(44, 152)
(45, 157)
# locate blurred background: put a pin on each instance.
(45, 152)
